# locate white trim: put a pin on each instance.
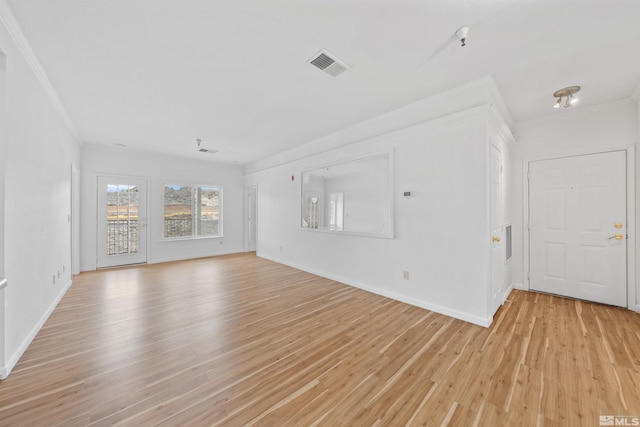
(632, 232)
(15, 357)
(631, 213)
(525, 225)
(477, 320)
(312, 149)
(500, 125)
(147, 181)
(519, 286)
(191, 256)
(15, 32)
(391, 181)
(246, 229)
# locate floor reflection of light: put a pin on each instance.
(121, 319)
(142, 315)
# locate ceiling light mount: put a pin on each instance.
(462, 33)
(568, 94)
(204, 150)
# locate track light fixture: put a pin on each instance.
(566, 93)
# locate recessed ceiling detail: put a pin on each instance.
(329, 63)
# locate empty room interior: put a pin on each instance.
(305, 213)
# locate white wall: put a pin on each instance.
(578, 130)
(3, 162)
(160, 170)
(442, 233)
(636, 97)
(40, 150)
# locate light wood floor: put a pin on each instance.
(239, 341)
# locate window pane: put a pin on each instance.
(192, 211)
(122, 219)
(178, 211)
(209, 203)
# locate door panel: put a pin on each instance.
(252, 205)
(122, 223)
(574, 206)
(497, 227)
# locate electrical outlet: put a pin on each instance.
(280, 248)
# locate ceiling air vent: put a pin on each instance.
(328, 63)
(205, 150)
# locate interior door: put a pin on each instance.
(252, 204)
(122, 221)
(577, 227)
(497, 230)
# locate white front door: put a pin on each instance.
(577, 227)
(497, 231)
(122, 221)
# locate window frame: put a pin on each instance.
(197, 211)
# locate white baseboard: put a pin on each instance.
(179, 258)
(506, 293)
(12, 361)
(194, 256)
(519, 286)
(393, 295)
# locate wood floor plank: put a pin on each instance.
(239, 340)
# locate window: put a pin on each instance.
(192, 211)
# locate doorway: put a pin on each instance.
(578, 227)
(122, 221)
(497, 230)
(252, 203)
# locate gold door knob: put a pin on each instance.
(617, 236)
(496, 239)
(617, 225)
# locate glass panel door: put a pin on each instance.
(121, 221)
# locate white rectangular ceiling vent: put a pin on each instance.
(207, 150)
(328, 63)
(203, 149)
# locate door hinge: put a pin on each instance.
(528, 226)
(529, 276)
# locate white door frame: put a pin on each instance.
(631, 215)
(497, 247)
(247, 214)
(146, 180)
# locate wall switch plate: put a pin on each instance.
(405, 275)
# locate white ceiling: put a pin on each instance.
(157, 74)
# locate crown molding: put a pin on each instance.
(435, 110)
(15, 32)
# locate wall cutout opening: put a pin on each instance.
(353, 197)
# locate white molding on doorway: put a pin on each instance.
(632, 240)
(247, 230)
(147, 181)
